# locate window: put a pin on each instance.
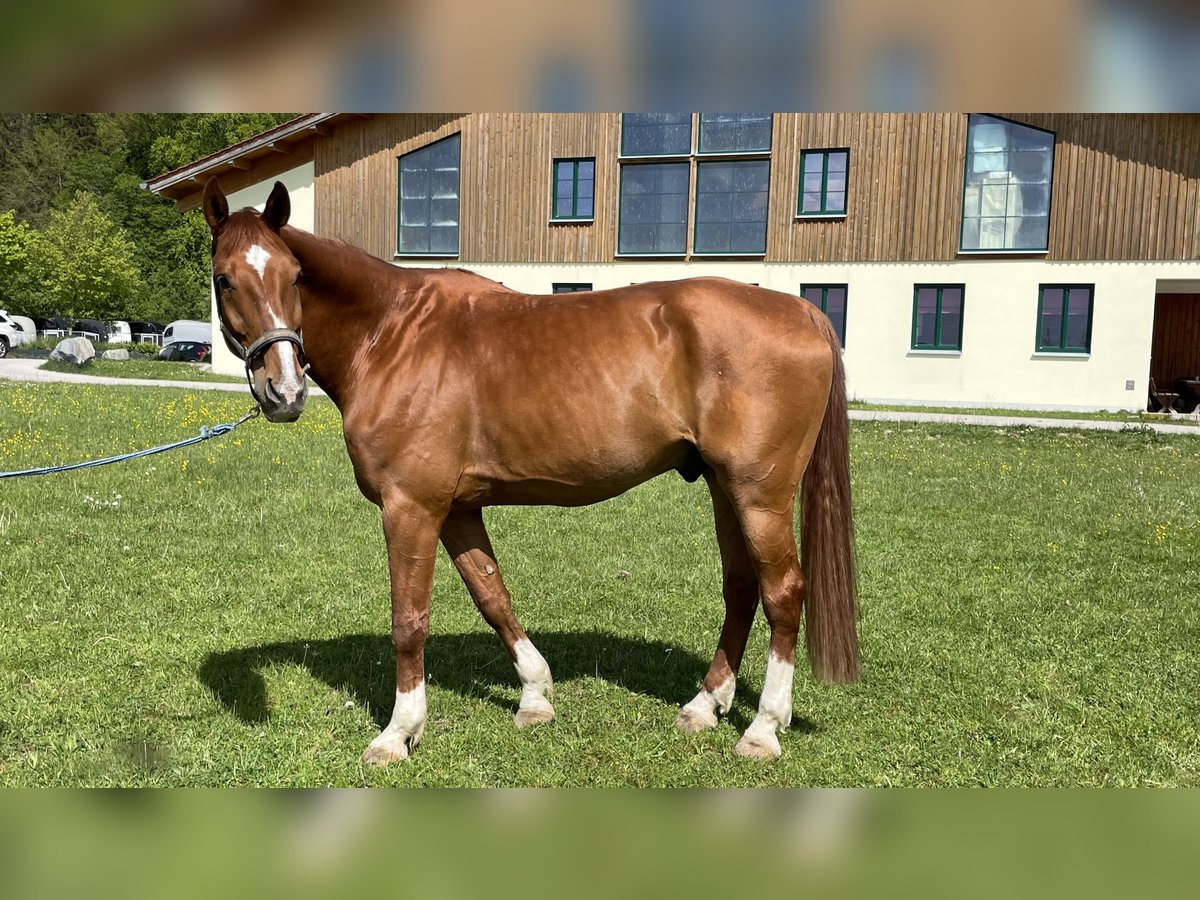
(937, 317)
(731, 207)
(831, 300)
(428, 214)
(656, 134)
(735, 133)
(574, 189)
(1006, 187)
(823, 175)
(571, 287)
(653, 212)
(731, 194)
(1065, 318)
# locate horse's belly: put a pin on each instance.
(559, 480)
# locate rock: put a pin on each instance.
(115, 354)
(78, 350)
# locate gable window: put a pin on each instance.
(937, 317)
(1065, 318)
(574, 189)
(823, 175)
(1006, 186)
(831, 300)
(571, 287)
(429, 195)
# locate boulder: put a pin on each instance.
(77, 350)
(115, 354)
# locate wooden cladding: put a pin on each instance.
(1125, 186)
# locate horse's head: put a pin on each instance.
(258, 303)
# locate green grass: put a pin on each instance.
(141, 368)
(218, 615)
(1101, 416)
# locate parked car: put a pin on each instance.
(10, 334)
(186, 351)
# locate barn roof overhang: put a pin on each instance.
(255, 159)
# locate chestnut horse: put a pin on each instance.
(457, 393)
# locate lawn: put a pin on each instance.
(218, 615)
(141, 368)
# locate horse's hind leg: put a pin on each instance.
(772, 546)
(739, 584)
(466, 540)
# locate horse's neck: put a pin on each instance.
(344, 295)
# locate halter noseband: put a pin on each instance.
(248, 354)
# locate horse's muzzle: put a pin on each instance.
(283, 404)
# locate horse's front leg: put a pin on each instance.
(412, 533)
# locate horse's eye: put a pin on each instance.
(221, 282)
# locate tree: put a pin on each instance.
(84, 264)
(14, 240)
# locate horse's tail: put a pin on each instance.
(827, 537)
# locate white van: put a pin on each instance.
(187, 330)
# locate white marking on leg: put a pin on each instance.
(404, 731)
(774, 710)
(536, 684)
(703, 708)
(257, 258)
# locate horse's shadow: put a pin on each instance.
(472, 664)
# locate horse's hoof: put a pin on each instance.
(381, 755)
(534, 716)
(691, 721)
(758, 747)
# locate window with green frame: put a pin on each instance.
(831, 300)
(823, 182)
(937, 316)
(729, 163)
(1065, 318)
(571, 287)
(574, 189)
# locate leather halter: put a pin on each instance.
(249, 354)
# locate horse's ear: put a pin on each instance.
(278, 208)
(216, 207)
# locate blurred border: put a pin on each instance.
(375, 56)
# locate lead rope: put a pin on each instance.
(205, 433)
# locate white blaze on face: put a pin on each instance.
(291, 378)
(257, 258)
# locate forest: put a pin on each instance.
(80, 237)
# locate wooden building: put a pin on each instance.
(1042, 261)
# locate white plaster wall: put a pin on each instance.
(998, 366)
(299, 182)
